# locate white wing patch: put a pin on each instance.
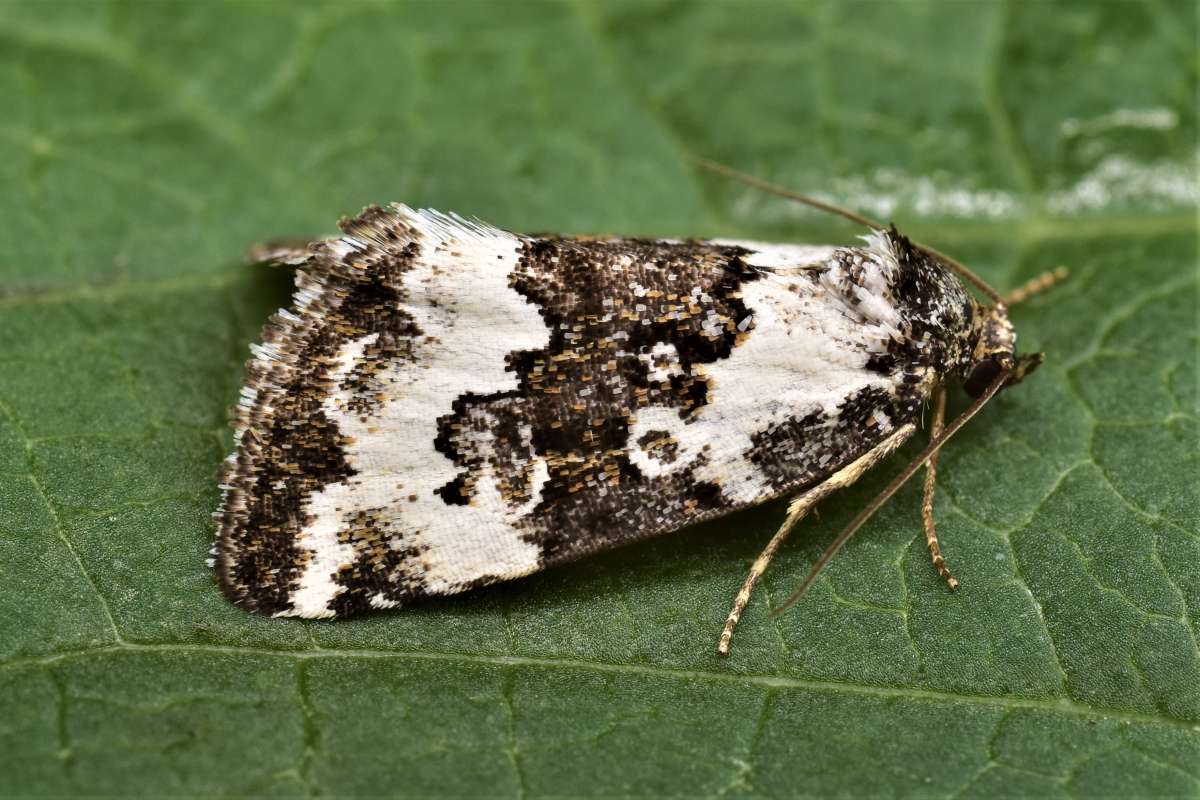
(807, 352)
(781, 257)
(470, 320)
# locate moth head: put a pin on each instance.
(995, 352)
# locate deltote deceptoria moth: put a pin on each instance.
(447, 405)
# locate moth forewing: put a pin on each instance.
(447, 405)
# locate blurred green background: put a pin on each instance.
(144, 147)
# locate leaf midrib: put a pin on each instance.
(1056, 705)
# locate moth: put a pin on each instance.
(447, 405)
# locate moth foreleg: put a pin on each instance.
(931, 539)
(800, 506)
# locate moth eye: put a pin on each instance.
(981, 377)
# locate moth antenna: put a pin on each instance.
(1037, 285)
(830, 208)
(893, 487)
(771, 188)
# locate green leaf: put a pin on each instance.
(145, 146)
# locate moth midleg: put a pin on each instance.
(935, 550)
(800, 506)
(1036, 285)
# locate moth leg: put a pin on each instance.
(1036, 285)
(931, 539)
(279, 252)
(796, 511)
